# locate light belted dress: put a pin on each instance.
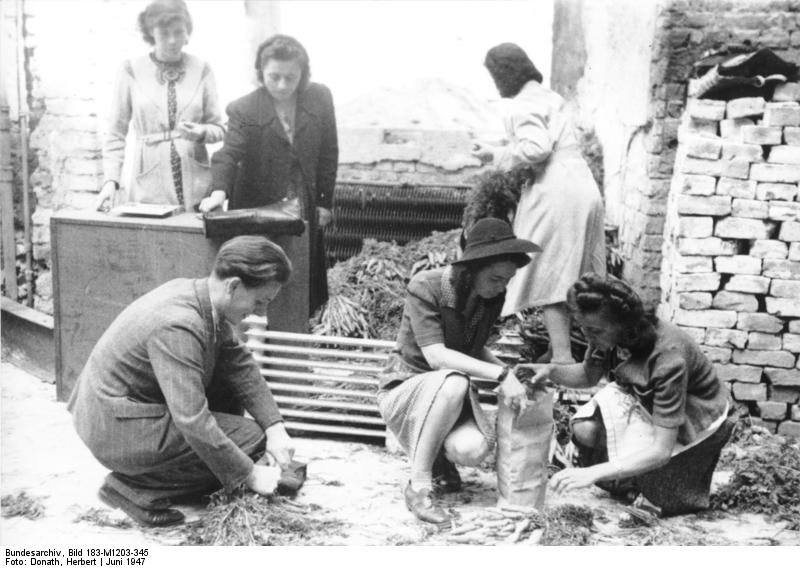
(166, 168)
(562, 211)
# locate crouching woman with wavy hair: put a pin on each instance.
(658, 428)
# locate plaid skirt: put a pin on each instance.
(405, 408)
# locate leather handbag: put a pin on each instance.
(279, 218)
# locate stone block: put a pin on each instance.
(764, 341)
(791, 136)
(690, 264)
(773, 410)
(711, 246)
(782, 359)
(706, 318)
(783, 394)
(699, 126)
(741, 373)
(794, 413)
(789, 429)
(777, 191)
(783, 307)
(750, 208)
(739, 151)
(740, 228)
(790, 231)
(697, 334)
(727, 300)
(715, 205)
(697, 166)
(794, 326)
(717, 355)
(765, 424)
(694, 300)
(749, 391)
(744, 107)
(769, 248)
(784, 155)
(702, 147)
(791, 342)
(731, 129)
(699, 185)
(697, 282)
(745, 189)
(783, 269)
(726, 338)
(787, 91)
(738, 264)
(759, 322)
(776, 173)
(785, 288)
(706, 109)
(695, 227)
(737, 169)
(761, 135)
(784, 210)
(781, 114)
(749, 284)
(794, 252)
(782, 377)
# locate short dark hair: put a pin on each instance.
(283, 48)
(510, 68)
(160, 13)
(593, 293)
(254, 260)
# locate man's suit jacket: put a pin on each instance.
(142, 395)
(254, 165)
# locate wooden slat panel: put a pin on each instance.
(316, 415)
(324, 403)
(276, 348)
(318, 377)
(315, 363)
(283, 336)
(334, 429)
(320, 390)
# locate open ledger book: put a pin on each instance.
(146, 209)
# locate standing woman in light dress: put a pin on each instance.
(171, 99)
(562, 210)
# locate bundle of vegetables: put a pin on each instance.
(367, 291)
(22, 505)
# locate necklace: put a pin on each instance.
(169, 71)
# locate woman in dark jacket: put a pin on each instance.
(281, 144)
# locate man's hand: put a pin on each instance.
(324, 216)
(279, 444)
(263, 479)
(514, 394)
(213, 201)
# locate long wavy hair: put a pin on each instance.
(510, 68)
(593, 293)
(462, 276)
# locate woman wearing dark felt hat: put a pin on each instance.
(429, 390)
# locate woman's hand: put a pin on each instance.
(105, 195)
(213, 201)
(324, 216)
(573, 478)
(279, 444)
(514, 394)
(484, 152)
(192, 131)
(542, 375)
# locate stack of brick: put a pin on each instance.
(731, 271)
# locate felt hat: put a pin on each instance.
(493, 237)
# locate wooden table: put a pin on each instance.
(101, 263)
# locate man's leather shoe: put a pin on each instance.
(445, 475)
(421, 504)
(146, 517)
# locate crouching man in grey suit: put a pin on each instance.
(161, 398)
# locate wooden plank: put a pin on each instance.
(321, 352)
(325, 403)
(300, 426)
(314, 363)
(316, 415)
(318, 377)
(320, 390)
(311, 338)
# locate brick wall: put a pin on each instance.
(731, 271)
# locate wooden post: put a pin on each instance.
(8, 244)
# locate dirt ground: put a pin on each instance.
(356, 484)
